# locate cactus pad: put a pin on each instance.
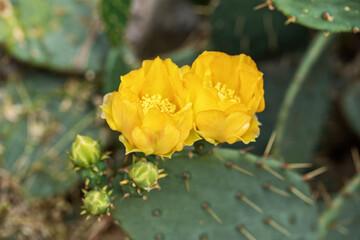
(114, 14)
(350, 103)
(39, 120)
(206, 197)
(326, 15)
(237, 27)
(64, 35)
(341, 219)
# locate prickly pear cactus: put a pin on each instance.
(237, 27)
(341, 219)
(119, 61)
(114, 14)
(222, 195)
(60, 35)
(40, 117)
(326, 15)
(350, 106)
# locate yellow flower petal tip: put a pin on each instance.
(151, 109)
(226, 92)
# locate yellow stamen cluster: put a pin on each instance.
(226, 93)
(156, 101)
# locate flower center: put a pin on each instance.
(224, 93)
(156, 101)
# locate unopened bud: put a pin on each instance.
(97, 202)
(85, 152)
(144, 174)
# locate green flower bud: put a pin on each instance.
(85, 152)
(97, 202)
(144, 174)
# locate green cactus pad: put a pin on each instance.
(41, 116)
(94, 176)
(238, 28)
(217, 188)
(114, 14)
(63, 35)
(341, 219)
(351, 109)
(119, 62)
(326, 15)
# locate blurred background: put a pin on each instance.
(59, 57)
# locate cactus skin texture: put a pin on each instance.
(350, 106)
(237, 27)
(307, 114)
(62, 35)
(206, 197)
(341, 219)
(326, 15)
(40, 118)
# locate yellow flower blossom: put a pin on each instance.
(226, 92)
(151, 110)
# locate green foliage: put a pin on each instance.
(63, 35)
(237, 27)
(350, 105)
(201, 187)
(115, 14)
(326, 15)
(341, 219)
(41, 115)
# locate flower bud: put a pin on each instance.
(85, 152)
(144, 174)
(97, 202)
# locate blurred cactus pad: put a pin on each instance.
(41, 115)
(63, 35)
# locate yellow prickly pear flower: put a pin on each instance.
(226, 92)
(151, 110)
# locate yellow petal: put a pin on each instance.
(185, 123)
(215, 126)
(128, 147)
(161, 77)
(236, 125)
(106, 113)
(166, 140)
(125, 114)
(209, 125)
(144, 139)
(156, 120)
(252, 133)
(193, 137)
